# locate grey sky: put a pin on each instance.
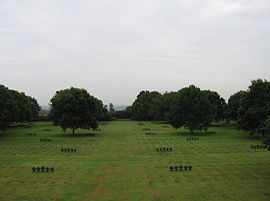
(116, 48)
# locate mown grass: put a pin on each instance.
(119, 163)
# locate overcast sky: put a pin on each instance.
(116, 48)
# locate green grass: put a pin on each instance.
(119, 163)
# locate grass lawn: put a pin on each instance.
(120, 163)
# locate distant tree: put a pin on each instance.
(143, 106)
(234, 104)
(190, 109)
(74, 108)
(255, 106)
(218, 104)
(102, 113)
(124, 114)
(111, 109)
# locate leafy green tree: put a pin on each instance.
(16, 107)
(74, 108)
(266, 131)
(267, 125)
(102, 113)
(161, 106)
(218, 104)
(190, 109)
(234, 104)
(143, 106)
(5, 108)
(124, 114)
(255, 106)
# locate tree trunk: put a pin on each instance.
(263, 135)
(73, 130)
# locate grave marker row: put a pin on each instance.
(192, 138)
(68, 150)
(180, 168)
(42, 169)
(258, 146)
(31, 134)
(45, 140)
(210, 132)
(163, 149)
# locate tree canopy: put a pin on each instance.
(143, 106)
(190, 109)
(16, 107)
(217, 103)
(255, 106)
(234, 104)
(75, 108)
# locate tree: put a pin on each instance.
(5, 109)
(234, 104)
(267, 125)
(111, 109)
(16, 107)
(74, 108)
(161, 106)
(143, 106)
(217, 103)
(255, 106)
(266, 131)
(124, 114)
(102, 113)
(190, 109)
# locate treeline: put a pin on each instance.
(190, 107)
(16, 107)
(195, 109)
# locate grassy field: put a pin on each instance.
(120, 163)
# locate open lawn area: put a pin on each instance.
(119, 162)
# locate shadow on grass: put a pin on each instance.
(189, 134)
(159, 122)
(218, 125)
(78, 135)
(250, 137)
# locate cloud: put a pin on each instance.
(114, 48)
